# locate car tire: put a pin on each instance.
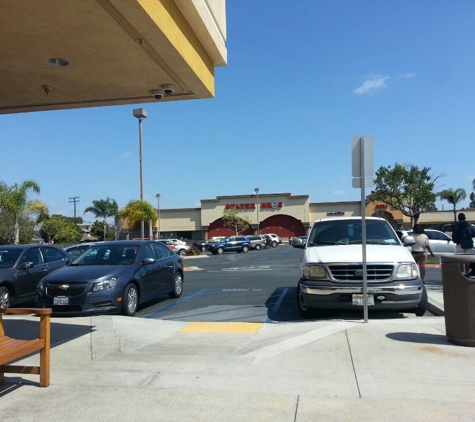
(422, 307)
(203, 249)
(130, 300)
(245, 249)
(177, 286)
(181, 252)
(305, 310)
(5, 297)
(258, 247)
(220, 251)
(274, 244)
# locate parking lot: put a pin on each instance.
(259, 286)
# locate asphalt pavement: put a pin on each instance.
(136, 369)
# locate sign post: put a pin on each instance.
(362, 167)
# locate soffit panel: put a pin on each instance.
(111, 61)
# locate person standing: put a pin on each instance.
(462, 236)
(419, 249)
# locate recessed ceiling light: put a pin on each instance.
(57, 61)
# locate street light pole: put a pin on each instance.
(141, 113)
(158, 213)
(256, 192)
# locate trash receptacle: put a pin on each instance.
(459, 300)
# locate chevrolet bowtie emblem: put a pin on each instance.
(64, 286)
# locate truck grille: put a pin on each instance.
(355, 272)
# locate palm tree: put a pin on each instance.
(136, 211)
(103, 208)
(453, 196)
(14, 205)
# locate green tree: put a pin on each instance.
(406, 188)
(233, 220)
(137, 211)
(103, 208)
(14, 205)
(26, 226)
(472, 200)
(60, 230)
(453, 196)
(97, 230)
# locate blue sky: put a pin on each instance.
(303, 77)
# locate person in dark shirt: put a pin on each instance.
(462, 236)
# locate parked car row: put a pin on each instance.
(218, 246)
(108, 277)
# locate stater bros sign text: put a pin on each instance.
(252, 206)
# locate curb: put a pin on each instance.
(435, 307)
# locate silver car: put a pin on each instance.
(439, 242)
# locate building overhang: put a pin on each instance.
(115, 52)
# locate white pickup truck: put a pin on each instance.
(331, 268)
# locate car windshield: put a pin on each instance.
(107, 255)
(346, 232)
(8, 257)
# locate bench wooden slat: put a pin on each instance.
(15, 349)
(12, 349)
(18, 369)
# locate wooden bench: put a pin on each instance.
(12, 349)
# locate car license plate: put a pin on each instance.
(61, 300)
(358, 300)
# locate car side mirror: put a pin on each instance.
(147, 261)
(408, 240)
(26, 265)
(297, 243)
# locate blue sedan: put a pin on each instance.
(112, 277)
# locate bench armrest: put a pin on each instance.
(24, 311)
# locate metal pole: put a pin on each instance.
(142, 223)
(256, 191)
(158, 213)
(141, 114)
(363, 233)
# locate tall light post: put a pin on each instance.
(158, 213)
(256, 192)
(141, 114)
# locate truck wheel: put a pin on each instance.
(305, 310)
(422, 307)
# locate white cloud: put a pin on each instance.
(339, 192)
(373, 83)
(406, 75)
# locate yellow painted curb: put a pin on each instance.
(222, 327)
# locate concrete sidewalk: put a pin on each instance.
(118, 368)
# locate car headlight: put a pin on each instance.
(313, 271)
(40, 288)
(104, 285)
(406, 271)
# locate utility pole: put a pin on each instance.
(74, 199)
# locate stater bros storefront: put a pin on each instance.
(284, 214)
